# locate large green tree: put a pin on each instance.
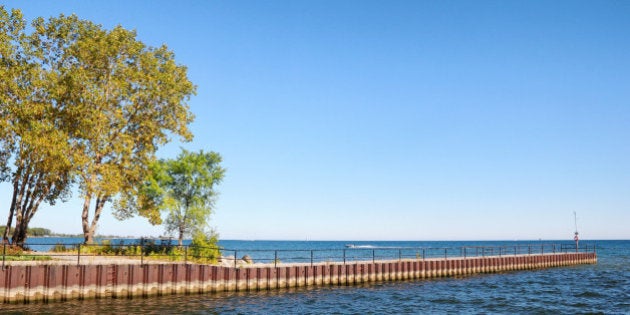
(183, 188)
(30, 128)
(124, 100)
(85, 104)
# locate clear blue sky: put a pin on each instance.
(395, 120)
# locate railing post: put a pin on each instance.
(445, 254)
(142, 251)
(554, 248)
(423, 254)
(399, 254)
(464, 249)
(311, 258)
(186, 254)
(529, 249)
(79, 254)
(235, 259)
(275, 259)
(373, 256)
(344, 256)
(483, 251)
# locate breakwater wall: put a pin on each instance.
(29, 283)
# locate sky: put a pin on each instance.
(393, 120)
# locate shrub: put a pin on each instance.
(13, 250)
(16, 253)
(204, 247)
(59, 248)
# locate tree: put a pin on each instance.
(11, 29)
(78, 102)
(188, 184)
(42, 173)
(184, 189)
(11, 32)
(123, 99)
(30, 129)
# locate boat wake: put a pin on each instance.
(360, 246)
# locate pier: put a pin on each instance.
(24, 283)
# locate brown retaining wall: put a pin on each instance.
(23, 284)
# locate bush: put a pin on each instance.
(151, 248)
(204, 247)
(59, 248)
(13, 250)
(16, 253)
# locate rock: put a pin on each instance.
(226, 261)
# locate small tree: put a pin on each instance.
(183, 188)
(190, 195)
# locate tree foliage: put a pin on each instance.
(82, 103)
(30, 128)
(34, 231)
(183, 188)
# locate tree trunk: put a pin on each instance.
(5, 237)
(180, 240)
(17, 231)
(84, 218)
(90, 229)
(19, 234)
(98, 209)
(18, 209)
(182, 226)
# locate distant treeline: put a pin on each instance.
(32, 231)
(46, 232)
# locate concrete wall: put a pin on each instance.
(23, 284)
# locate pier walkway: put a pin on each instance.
(41, 281)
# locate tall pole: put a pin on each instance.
(576, 237)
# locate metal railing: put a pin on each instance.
(146, 251)
(372, 254)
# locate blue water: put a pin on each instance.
(603, 288)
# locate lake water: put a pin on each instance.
(603, 288)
